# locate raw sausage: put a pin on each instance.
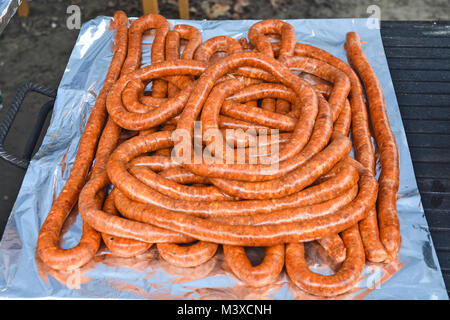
(389, 176)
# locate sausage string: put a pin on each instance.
(179, 180)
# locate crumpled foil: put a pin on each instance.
(7, 10)
(416, 274)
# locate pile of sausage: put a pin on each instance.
(132, 192)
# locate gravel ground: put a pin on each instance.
(37, 48)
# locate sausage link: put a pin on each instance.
(302, 131)
(257, 144)
(259, 116)
(116, 225)
(136, 31)
(210, 121)
(172, 54)
(48, 245)
(108, 141)
(257, 36)
(252, 72)
(360, 124)
(245, 44)
(216, 44)
(375, 251)
(389, 176)
(186, 274)
(361, 136)
(121, 247)
(147, 131)
(263, 90)
(136, 190)
(231, 123)
(202, 251)
(268, 104)
(256, 276)
(176, 190)
(295, 181)
(156, 163)
(268, 235)
(132, 97)
(341, 82)
(183, 176)
(194, 38)
(144, 99)
(298, 214)
(252, 103)
(334, 246)
(187, 255)
(342, 281)
(173, 51)
(169, 109)
(205, 53)
(166, 152)
(343, 122)
(282, 106)
(323, 89)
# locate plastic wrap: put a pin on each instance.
(416, 275)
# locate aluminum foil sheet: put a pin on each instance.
(416, 275)
(7, 9)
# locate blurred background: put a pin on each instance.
(37, 47)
